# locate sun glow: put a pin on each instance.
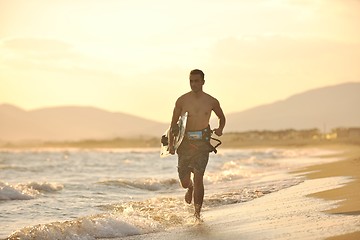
(135, 56)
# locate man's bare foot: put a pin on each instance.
(197, 212)
(197, 215)
(188, 195)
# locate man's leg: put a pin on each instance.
(187, 183)
(198, 192)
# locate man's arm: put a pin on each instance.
(174, 120)
(220, 114)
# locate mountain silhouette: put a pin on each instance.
(72, 123)
(322, 108)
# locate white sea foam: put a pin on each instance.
(129, 189)
(139, 217)
(26, 191)
(87, 228)
(42, 187)
(9, 192)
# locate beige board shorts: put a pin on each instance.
(193, 156)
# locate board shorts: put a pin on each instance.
(193, 156)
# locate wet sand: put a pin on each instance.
(325, 206)
(349, 194)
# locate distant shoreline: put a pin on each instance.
(255, 139)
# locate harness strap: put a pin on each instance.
(218, 144)
(206, 136)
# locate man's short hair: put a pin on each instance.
(198, 71)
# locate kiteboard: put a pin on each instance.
(164, 149)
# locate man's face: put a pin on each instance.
(196, 82)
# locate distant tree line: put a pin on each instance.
(287, 137)
(291, 137)
(286, 134)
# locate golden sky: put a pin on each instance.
(134, 56)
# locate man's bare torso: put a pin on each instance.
(199, 107)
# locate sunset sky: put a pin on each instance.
(134, 56)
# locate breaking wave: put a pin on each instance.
(150, 184)
(27, 191)
(88, 228)
(141, 217)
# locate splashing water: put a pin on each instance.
(105, 194)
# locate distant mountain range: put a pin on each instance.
(323, 108)
(72, 123)
(328, 107)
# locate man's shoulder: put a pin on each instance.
(185, 95)
(188, 95)
(210, 97)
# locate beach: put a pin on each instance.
(325, 206)
(132, 194)
(348, 194)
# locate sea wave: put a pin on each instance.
(150, 184)
(87, 228)
(27, 191)
(124, 219)
(141, 217)
(250, 192)
(4, 167)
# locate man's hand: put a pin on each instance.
(172, 150)
(218, 131)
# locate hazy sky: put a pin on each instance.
(134, 56)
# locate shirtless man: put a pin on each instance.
(193, 154)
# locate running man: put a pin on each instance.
(193, 153)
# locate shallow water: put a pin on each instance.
(88, 194)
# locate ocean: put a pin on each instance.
(107, 193)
